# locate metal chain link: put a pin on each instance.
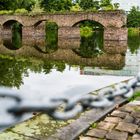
(66, 108)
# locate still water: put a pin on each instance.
(69, 66)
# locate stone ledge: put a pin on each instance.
(73, 130)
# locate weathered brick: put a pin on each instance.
(128, 119)
(137, 121)
(116, 135)
(127, 127)
(127, 108)
(118, 113)
(113, 119)
(96, 133)
(136, 114)
(106, 125)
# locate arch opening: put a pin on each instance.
(92, 38)
(49, 31)
(91, 23)
(13, 29)
(8, 24)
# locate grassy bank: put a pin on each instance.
(133, 31)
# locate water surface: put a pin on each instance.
(69, 68)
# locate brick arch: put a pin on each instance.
(37, 23)
(9, 23)
(80, 21)
(7, 19)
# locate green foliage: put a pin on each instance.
(3, 12)
(106, 5)
(36, 8)
(89, 4)
(56, 5)
(116, 6)
(135, 96)
(39, 6)
(90, 46)
(133, 39)
(21, 11)
(51, 36)
(5, 4)
(16, 4)
(17, 35)
(133, 18)
(86, 31)
(76, 8)
(134, 31)
(94, 125)
(13, 69)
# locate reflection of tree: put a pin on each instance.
(91, 46)
(49, 65)
(11, 71)
(134, 42)
(51, 37)
(16, 41)
(17, 35)
(60, 66)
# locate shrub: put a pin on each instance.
(3, 12)
(21, 11)
(86, 31)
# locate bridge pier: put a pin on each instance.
(115, 34)
(69, 32)
(28, 31)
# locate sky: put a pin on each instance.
(127, 4)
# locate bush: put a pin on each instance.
(76, 8)
(3, 12)
(21, 11)
(86, 31)
(133, 31)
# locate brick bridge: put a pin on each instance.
(113, 22)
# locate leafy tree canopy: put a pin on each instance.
(56, 5)
(16, 4)
(89, 4)
(133, 19)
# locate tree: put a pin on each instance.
(36, 8)
(106, 4)
(16, 4)
(116, 6)
(5, 4)
(56, 5)
(133, 18)
(89, 4)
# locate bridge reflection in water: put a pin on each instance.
(111, 56)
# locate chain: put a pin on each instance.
(62, 108)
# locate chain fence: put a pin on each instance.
(61, 108)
